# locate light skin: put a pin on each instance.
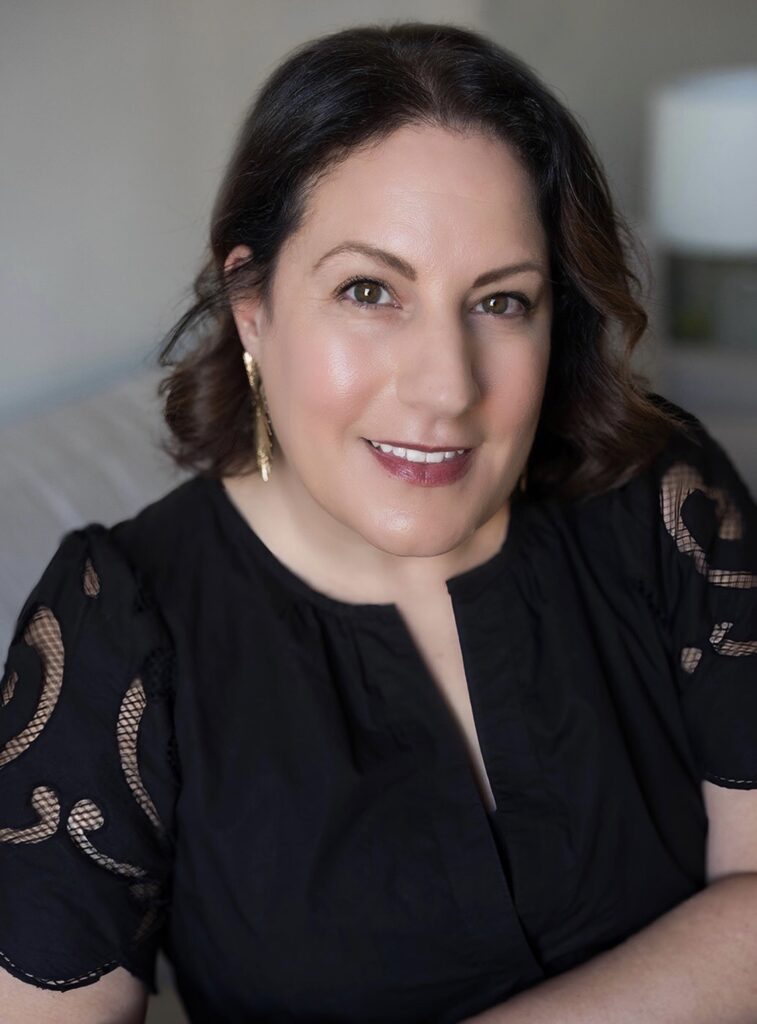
(436, 360)
(434, 366)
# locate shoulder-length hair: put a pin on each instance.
(599, 423)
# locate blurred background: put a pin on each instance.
(117, 120)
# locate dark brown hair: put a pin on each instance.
(599, 423)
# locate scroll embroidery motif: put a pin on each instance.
(690, 658)
(43, 634)
(45, 802)
(8, 687)
(679, 481)
(86, 816)
(91, 581)
(127, 729)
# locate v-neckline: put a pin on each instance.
(492, 682)
(459, 586)
(461, 589)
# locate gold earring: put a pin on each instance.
(263, 428)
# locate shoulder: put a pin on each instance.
(100, 589)
(164, 532)
(690, 456)
(693, 456)
(703, 507)
(91, 614)
(146, 557)
(86, 573)
(699, 488)
(688, 493)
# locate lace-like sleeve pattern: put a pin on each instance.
(708, 529)
(88, 774)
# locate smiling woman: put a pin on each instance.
(427, 686)
(458, 183)
(424, 361)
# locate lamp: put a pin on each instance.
(703, 202)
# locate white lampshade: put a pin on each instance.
(703, 163)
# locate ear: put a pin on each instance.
(247, 311)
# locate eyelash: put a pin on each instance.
(526, 303)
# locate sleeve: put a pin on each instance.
(88, 772)
(708, 561)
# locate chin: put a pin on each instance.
(415, 542)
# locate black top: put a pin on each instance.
(199, 752)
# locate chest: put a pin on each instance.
(432, 625)
(325, 811)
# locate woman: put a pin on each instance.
(434, 683)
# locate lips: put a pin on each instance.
(423, 474)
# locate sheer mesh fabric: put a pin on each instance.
(8, 688)
(711, 517)
(43, 635)
(678, 482)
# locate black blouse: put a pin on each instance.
(201, 753)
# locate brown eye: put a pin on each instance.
(366, 291)
(498, 304)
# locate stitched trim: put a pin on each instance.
(49, 983)
(722, 778)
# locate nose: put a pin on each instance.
(437, 372)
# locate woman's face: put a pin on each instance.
(434, 357)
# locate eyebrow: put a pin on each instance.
(408, 270)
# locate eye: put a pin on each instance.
(498, 305)
(368, 286)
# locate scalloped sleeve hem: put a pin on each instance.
(88, 773)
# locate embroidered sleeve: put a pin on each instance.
(708, 531)
(88, 772)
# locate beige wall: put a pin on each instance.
(605, 57)
(116, 119)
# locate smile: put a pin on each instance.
(424, 469)
(415, 455)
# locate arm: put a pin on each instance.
(78, 691)
(116, 998)
(696, 964)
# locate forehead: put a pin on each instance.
(426, 181)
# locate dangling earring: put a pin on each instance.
(263, 429)
(523, 481)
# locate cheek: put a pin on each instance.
(327, 382)
(515, 387)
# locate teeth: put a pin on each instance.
(413, 455)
